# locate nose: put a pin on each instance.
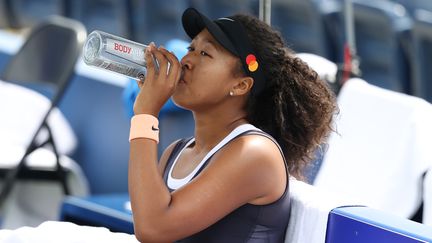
(186, 61)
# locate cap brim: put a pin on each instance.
(194, 22)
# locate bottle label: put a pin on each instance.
(128, 51)
(118, 68)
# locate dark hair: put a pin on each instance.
(296, 107)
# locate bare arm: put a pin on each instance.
(256, 174)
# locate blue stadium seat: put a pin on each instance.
(224, 8)
(422, 46)
(157, 21)
(27, 13)
(380, 27)
(96, 113)
(111, 16)
(111, 211)
(363, 224)
(303, 25)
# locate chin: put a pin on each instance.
(179, 102)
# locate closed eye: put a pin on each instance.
(203, 53)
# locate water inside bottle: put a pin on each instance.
(92, 49)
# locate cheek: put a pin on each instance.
(215, 74)
(209, 81)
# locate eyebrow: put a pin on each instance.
(214, 44)
(217, 46)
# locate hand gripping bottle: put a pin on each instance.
(116, 54)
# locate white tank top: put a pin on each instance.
(174, 183)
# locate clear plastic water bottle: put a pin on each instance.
(116, 54)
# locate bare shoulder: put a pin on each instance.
(255, 149)
(257, 161)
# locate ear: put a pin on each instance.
(243, 86)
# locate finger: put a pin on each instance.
(149, 63)
(172, 59)
(162, 60)
(140, 83)
(141, 77)
(175, 67)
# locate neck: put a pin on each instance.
(210, 128)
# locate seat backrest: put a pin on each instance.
(422, 45)
(48, 55)
(111, 16)
(158, 21)
(427, 198)
(301, 24)
(380, 29)
(223, 8)
(27, 13)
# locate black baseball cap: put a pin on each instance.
(230, 34)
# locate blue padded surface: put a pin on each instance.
(4, 59)
(104, 210)
(362, 224)
(96, 113)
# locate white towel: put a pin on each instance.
(427, 197)
(325, 69)
(65, 232)
(22, 111)
(310, 208)
(382, 149)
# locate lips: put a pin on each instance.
(182, 77)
